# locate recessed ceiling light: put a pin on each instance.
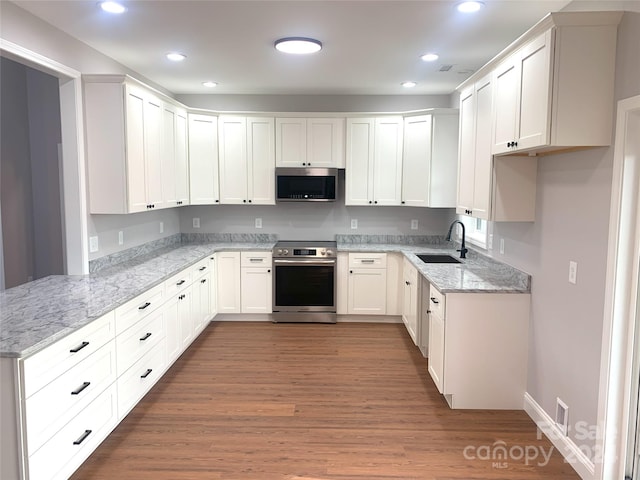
(298, 45)
(113, 7)
(209, 84)
(176, 56)
(429, 57)
(470, 7)
(408, 84)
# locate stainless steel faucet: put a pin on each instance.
(463, 250)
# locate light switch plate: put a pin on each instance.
(354, 223)
(93, 244)
(573, 272)
(196, 222)
(414, 224)
(258, 223)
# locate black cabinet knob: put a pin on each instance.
(376, 202)
(244, 201)
(249, 201)
(369, 201)
(217, 201)
(402, 202)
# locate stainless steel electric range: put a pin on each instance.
(304, 282)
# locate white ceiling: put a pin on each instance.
(370, 47)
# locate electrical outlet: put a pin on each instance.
(196, 222)
(502, 246)
(490, 242)
(120, 238)
(354, 224)
(258, 223)
(93, 244)
(562, 416)
(414, 224)
(573, 272)
(161, 227)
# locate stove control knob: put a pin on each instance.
(323, 252)
(330, 252)
(279, 251)
(285, 252)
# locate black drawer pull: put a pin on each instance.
(203, 280)
(145, 337)
(147, 373)
(77, 349)
(202, 269)
(433, 299)
(180, 282)
(79, 390)
(144, 306)
(82, 437)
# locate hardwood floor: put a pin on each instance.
(313, 402)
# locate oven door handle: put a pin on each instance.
(279, 261)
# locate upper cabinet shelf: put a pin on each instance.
(553, 87)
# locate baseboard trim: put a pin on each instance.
(567, 448)
(267, 317)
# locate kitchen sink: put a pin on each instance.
(435, 258)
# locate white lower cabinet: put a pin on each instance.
(411, 300)
(367, 284)
(228, 280)
(256, 282)
(201, 309)
(478, 348)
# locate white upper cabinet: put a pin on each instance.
(247, 163)
(203, 159)
(124, 128)
(374, 161)
(429, 160)
(175, 166)
(553, 88)
(310, 142)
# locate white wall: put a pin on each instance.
(572, 221)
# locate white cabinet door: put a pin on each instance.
(135, 149)
(201, 297)
(153, 146)
(416, 161)
(173, 335)
(523, 97)
(261, 160)
(359, 162)
(325, 142)
(466, 151)
(436, 350)
(291, 142)
(169, 126)
(213, 285)
(185, 317)
(257, 287)
(232, 138)
(181, 161)
(410, 303)
(387, 162)
(367, 291)
(203, 159)
(228, 282)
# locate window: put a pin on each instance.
(476, 231)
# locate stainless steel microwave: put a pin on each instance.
(306, 184)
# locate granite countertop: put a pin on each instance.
(475, 274)
(36, 314)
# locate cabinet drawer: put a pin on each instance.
(57, 403)
(138, 340)
(255, 259)
(136, 309)
(177, 283)
(199, 269)
(136, 381)
(367, 260)
(59, 457)
(436, 302)
(53, 361)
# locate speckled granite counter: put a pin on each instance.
(475, 274)
(38, 313)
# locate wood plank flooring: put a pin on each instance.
(313, 402)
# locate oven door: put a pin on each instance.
(301, 285)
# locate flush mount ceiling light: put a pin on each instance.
(176, 56)
(113, 7)
(470, 7)
(210, 84)
(298, 45)
(408, 84)
(429, 57)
